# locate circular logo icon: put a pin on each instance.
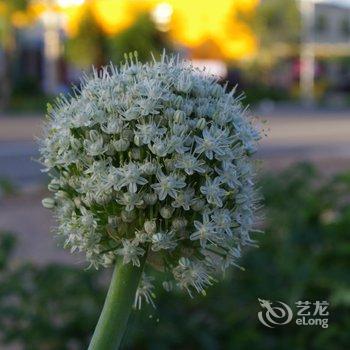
(274, 313)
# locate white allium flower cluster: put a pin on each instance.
(153, 159)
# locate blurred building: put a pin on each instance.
(331, 35)
(210, 33)
(318, 61)
(332, 24)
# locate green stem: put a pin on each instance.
(117, 307)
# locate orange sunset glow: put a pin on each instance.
(199, 25)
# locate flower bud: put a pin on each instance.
(179, 116)
(184, 85)
(166, 212)
(150, 198)
(184, 262)
(61, 195)
(137, 140)
(94, 135)
(54, 185)
(150, 227)
(201, 124)
(48, 203)
(160, 149)
(77, 202)
(121, 145)
(178, 102)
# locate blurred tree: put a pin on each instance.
(277, 27)
(46, 308)
(88, 46)
(275, 22)
(142, 37)
(9, 12)
(92, 46)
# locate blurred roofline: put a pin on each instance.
(336, 3)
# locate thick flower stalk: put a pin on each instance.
(153, 159)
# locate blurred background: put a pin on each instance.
(292, 60)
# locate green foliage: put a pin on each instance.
(91, 46)
(7, 243)
(256, 94)
(304, 255)
(6, 28)
(18, 5)
(88, 46)
(8, 46)
(6, 186)
(277, 27)
(24, 104)
(53, 307)
(276, 21)
(142, 37)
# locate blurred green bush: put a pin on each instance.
(46, 308)
(303, 255)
